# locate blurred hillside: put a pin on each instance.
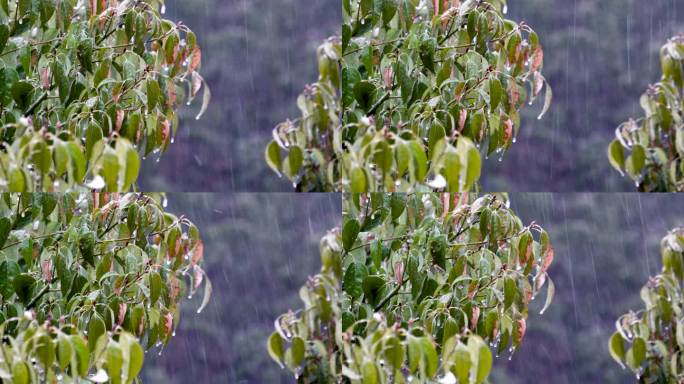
(258, 55)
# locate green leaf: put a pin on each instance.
(637, 354)
(495, 93)
(110, 169)
(394, 353)
(353, 280)
(295, 355)
(397, 204)
(155, 287)
(61, 158)
(93, 136)
(359, 183)
(462, 363)
(383, 157)
(484, 364)
(389, 9)
(273, 156)
(364, 94)
(403, 156)
(370, 373)
(427, 53)
(45, 350)
(430, 355)
(616, 347)
(4, 36)
(350, 231)
(276, 348)
(9, 269)
(48, 205)
(5, 229)
(78, 162)
(365, 6)
(136, 357)
(64, 352)
(472, 161)
(96, 328)
(295, 160)
(616, 155)
(350, 76)
(23, 6)
(372, 288)
(153, 92)
(635, 162)
(482, 357)
(415, 354)
(115, 360)
(23, 285)
(80, 360)
(42, 158)
(21, 93)
(510, 290)
(452, 170)
(128, 157)
(17, 180)
(20, 373)
(419, 161)
(435, 134)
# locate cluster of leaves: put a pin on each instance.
(416, 285)
(425, 84)
(655, 142)
(307, 140)
(86, 88)
(651, 341)
(88, 282)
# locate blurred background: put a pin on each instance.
(257, 57)
(260, 249)
(599, 57)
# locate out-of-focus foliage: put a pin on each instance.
(424, 85)
(88, 282)
(650, 341)
(87, 87)
(656, 141)
(422, 282)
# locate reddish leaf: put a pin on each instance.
(538, 59)
(198, 253)
(123, 307)
(508, 130)
(196, 59)
(519, 334)
(475, 318)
